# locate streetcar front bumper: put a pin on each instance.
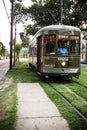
(64, 72)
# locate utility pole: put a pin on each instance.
(11, 34)
(15, 44)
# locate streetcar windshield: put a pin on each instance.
(67, 45)
(62, 45)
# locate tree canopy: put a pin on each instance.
(47, 12)
(3, 50)
(25, 39)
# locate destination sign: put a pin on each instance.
(68, 37)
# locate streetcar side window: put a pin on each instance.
(32, 51)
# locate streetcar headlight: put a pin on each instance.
(63, 63)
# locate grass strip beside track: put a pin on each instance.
(75, 122)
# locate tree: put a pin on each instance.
(18, 15)
(2, 49)
(18, 48)
(1, 46)
(79, 13)
(19, 12)
(47, 12)
(31, 29)
(25, 39)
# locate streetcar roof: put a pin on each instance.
(57, 29)
(54, 29)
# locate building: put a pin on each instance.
(83, 46)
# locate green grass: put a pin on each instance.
(81, 91)
(73, 97)
(82, 79)
(75, 122)
(22, 73)
(8, 107)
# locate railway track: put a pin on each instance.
(68, 101)
(80, 84)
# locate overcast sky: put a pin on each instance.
(4, 22)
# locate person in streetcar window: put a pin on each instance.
(62, 50)
(49, 46)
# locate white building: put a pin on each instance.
(83, 46)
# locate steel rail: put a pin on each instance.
(80, 84)
(64, 98)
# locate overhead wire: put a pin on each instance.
(6, 10)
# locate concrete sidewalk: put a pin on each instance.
(36, 111)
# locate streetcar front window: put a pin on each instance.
(68, 45)
(61, 45)
(74, 47)
(50, 41)
(62, 48)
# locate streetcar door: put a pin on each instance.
(39, 39)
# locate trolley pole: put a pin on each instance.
(61, 11)
(11, 34)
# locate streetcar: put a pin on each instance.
(46, 54)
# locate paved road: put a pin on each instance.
(4, 67)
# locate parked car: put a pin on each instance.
(84, 61)
(1, 57)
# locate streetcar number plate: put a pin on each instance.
(63, 58)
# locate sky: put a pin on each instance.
(4, 22)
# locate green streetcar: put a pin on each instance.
(55, 51)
